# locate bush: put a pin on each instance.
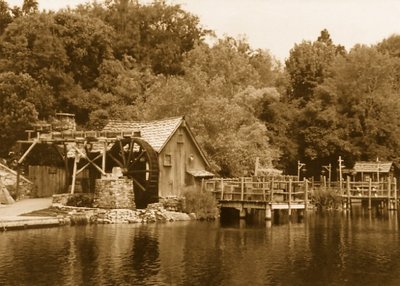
(80, 200)
(203, 204)
(327, 199)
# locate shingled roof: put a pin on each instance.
(372, 167)
(156, 133)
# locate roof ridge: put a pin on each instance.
(148, 121)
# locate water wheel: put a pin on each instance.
(138, 161)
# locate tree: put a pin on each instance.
(87, 43)
(355, 111)
(217, 96)
(30, 7)
(23, 102)
(156, 35)
(390, 45)
(5, 16)
(308, 66)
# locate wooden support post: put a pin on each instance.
(18, 181)
(305, 194)
(74, 173)
(290, 198)
(263, 189)
(202, 185)
(103, 161)
(395, 194)
(272, 190)
(268, 211)
(348, 192)
(369, 193)
(242, 213)
(66, 167)
(389, 190)
(222, 188)
(27, 152)
(242, 188)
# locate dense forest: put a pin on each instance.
(123, 60)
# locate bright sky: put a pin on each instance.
(276, 25)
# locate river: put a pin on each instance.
(332, 248)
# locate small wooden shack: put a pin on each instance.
(181, 162)
(376, 171)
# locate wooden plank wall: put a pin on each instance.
(47, 180)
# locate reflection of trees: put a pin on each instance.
(202, 256)
(145, 255)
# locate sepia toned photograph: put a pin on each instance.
(199, 142)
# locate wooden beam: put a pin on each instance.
(116, 160)
(139, 184)
(74, 174)
(104, 154)
(94, 164)
(90, 162)
(27, 151)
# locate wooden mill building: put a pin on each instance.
(181, 162)
(161, 157)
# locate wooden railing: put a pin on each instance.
(259, 189)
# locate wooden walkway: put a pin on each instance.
(260, 193)
(288, 193)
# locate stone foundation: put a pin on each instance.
(114, 193)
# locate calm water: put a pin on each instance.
(324, 249)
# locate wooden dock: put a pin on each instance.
(383, 192)
(260, 193)
(288, 193)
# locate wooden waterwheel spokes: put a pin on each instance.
(138, 161)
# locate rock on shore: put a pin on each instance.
(153, 213)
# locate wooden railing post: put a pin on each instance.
(290, 198)
(389, 190)
(222, 188)
(242, 189)
(272, 190)
(395, 194)
(348, 192)
(369, 194)
(263, 189)
(305, 194)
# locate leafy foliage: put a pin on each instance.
(119, 59)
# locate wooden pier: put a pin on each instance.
(260, 193)
(383, 192)
(288, 193)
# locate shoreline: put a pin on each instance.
(60, 215)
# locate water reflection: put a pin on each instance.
(330, 248)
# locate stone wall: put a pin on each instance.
(114, 193)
